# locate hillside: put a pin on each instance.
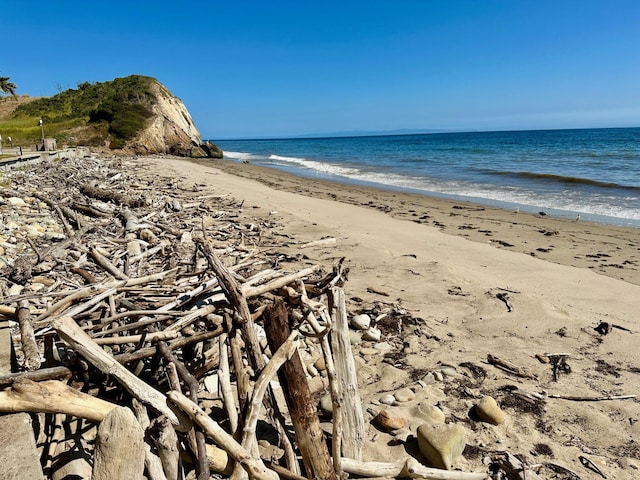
(135, 114)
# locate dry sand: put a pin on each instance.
(445, 263)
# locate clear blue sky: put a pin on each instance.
(248, 68)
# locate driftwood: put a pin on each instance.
(52, 397)
(509, 367)
(309, 435)
(167, 262)
(79, 340)
(515, 468)
(119, 453)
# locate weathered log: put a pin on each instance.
(405, 468)
(111, 196)
(353, 429)
(53, 373)
(27, 337)
(52, 396)
(309, 436)
(119, 452)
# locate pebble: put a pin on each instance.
(429, 378)
(326, 404)
(211, 383)
(354, 337)
(488, 411)
(372, 335)
(438, 376)
(361, 322)
(383, 346)
(16, 202)
(629, 463)
(389, 421)
(369, 351)
(320, 364)
(449, 372)
(441, 444)
(387, 399)
(404, 395)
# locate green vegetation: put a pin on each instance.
(7, 87)
(93, 114)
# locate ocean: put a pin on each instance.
(594, 173)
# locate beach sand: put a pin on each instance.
(446, 263)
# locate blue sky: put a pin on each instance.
(251, 68)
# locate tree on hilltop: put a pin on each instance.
(7, 87)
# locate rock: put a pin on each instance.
(16, 202)
(429, 413)
(489, 411)
(372, 335)
(438, 375)
(404, 395)
(211, 383)
(629, 463)
(383, 346)
(360, 322)
(320, 364)
(387, 399)
(449, 372)
(269, 452)
(369, 351)
(354, 337)
(389, 421)
(326, 404)
(429, 378)
(441, 444)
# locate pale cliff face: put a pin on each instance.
(171, 130)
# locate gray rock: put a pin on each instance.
(441, 444)
(429, 413)
(326, 404)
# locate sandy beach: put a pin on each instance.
(478, 281)
(469, 303)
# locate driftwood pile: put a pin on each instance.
(158, 337)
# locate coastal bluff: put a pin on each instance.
(134, 115)
(170, 129)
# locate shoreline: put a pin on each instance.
(608, 249)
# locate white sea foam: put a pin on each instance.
(237, 155)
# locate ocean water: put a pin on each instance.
(591, 172)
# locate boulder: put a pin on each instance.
(441, 444)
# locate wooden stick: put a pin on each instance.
(406, 468)
(166, 441)
(27, 337)
(309, 436)
(253, 465)
(53, 373)
(52, 396)
(106, 264)
(509, 367)
(148, 337)
(593, 399)
(224, 378)
(71, 333)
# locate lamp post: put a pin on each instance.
(41, 123)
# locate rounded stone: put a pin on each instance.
(326, 404)
(429, 413)
(389, 421)
(372, 335)
(361, 322)
(387, 399)
(404, 395)
(488, 411)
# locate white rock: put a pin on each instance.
(372, 335)
(383, 346)
(387, 399)
(211, 383)
(16, 202)
(361, 322)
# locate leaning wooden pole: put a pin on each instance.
(309, 436)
